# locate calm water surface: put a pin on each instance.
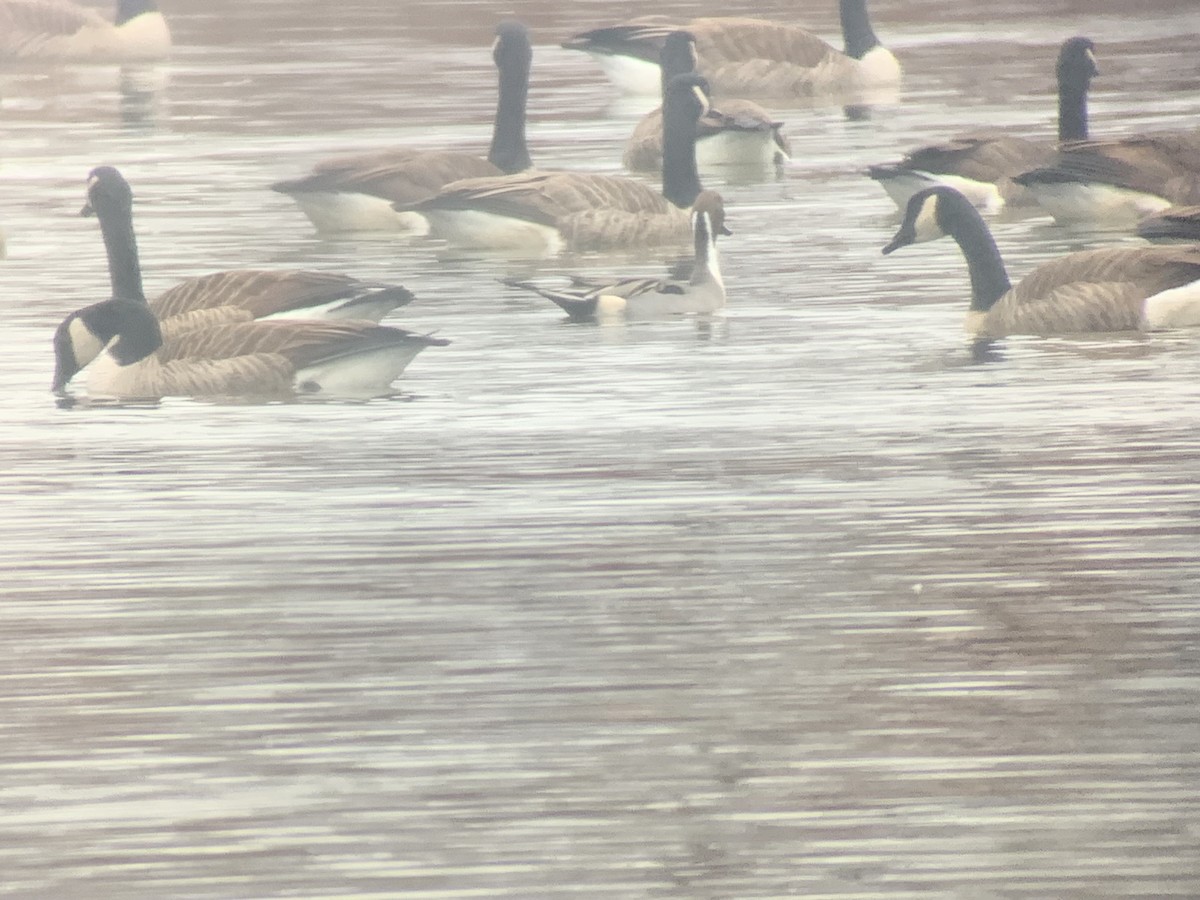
(799, 601)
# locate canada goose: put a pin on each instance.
(983, 166)
(63, 30)
(231, 333)
(544, 212)
(740, 133)
(1113, 289)
(639, 298)
(1118, 181)
(356, 192)
(238, 295)
(1176, 223)
(749, 57)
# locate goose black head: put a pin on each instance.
(1077, 60)
(107, 189)
(83, 335)
(929, 216)
(678, 56)
(512, 47)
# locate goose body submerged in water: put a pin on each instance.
(983, 166)
(1114, 289)
(240, 333)
(66, 31)
(751, 58)
(357, 192)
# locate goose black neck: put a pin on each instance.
(989, 279)
(128, 9)
(681, 180)
(124, 270)
(508, 151)
(1072, 108)
(678, 57)
(138, 330)
(857, 32)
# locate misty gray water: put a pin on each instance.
(798, 600)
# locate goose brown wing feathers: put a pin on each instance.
(1096, 290)
(264, 293)
(398, 175)
(980, 157)
(548, 198)
(1166, 164)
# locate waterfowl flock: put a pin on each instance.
(302, 333)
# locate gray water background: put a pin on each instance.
(797, 601)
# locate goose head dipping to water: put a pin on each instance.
(239, 333)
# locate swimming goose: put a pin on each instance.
(355, 192)
(983, 166)
(543, 212)
(1176, 223)
(740, 133)
(63, 30)
(749, 57)
(231, 333)
(1113, 289)
(640, 298)
(1118, 181)
(237, 295)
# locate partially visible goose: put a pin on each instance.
(749, 57)
(640, 298)
(1119, 181)
(983, 166)
(63, 30)
(543, 212)
(1177, 223)
(740, 133)
(227, 334)
(238, 295)
(1114, 289)
(356, 192)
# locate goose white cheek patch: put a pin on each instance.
(926, 227)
